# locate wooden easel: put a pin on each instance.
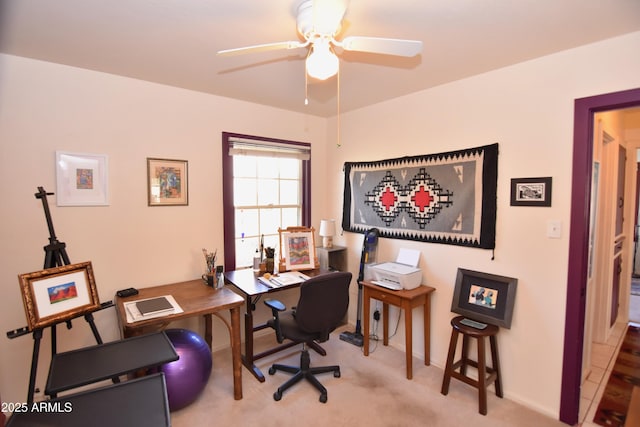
(55, 256)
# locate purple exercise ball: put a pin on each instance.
(187, 376)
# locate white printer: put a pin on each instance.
(401, 274)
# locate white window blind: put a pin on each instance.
(243, 147)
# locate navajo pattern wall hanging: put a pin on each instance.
(445, 198)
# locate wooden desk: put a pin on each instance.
(246, 281)
(196, 299)
(406, 300)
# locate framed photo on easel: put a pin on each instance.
(297, 249)
(58, 294)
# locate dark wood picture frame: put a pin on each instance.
(531, 191)
(484, 297)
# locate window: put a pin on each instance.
(266, 186)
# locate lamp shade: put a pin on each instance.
(327, 227)
(327, 230)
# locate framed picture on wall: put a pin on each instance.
(58, 294)
(82, 179)
(167, 182)
(531, 191)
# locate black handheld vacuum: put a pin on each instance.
(369, 252)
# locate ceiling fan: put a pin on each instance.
(318, 23)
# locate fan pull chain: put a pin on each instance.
(306, 89)
(306, 80)
(338, 144)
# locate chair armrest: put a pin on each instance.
(276, 306)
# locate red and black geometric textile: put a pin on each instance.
(442, 198)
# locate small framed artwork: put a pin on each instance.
(531, 191)
(58, 294)
(484, 297)
(297, 249)
(82, 179)
(167, 182)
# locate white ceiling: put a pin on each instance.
(174, 42)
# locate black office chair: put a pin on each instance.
(321, 308)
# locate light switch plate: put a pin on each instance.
(554, 229)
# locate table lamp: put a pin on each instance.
(327, 230)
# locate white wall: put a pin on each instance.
(528, 110)
(46, 107)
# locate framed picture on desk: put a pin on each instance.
(297, 249)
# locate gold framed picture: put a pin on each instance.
(58, 294)
(167, 182)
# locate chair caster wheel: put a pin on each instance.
(323, 398)
(336, 374)
(272, 371)
(277, 396)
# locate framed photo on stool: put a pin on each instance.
(484, 297)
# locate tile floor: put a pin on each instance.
(603, 357)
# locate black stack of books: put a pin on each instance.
(154, 306)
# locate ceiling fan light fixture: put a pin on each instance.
(322, 63)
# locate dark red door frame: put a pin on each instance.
(584, 110)
(635, 212)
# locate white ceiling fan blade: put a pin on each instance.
(262, 48)
(396, 47)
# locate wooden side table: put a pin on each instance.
(334, 258)
(406, 300)
(486, 374)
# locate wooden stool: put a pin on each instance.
(486, 374)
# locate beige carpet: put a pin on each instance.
(372, 391)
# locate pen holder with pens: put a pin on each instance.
(269, 263)
(210, 279)
(214, 279)
(214, 275)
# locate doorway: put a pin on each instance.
(584, 110)
(634, 298)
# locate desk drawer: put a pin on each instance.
(385, 297)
